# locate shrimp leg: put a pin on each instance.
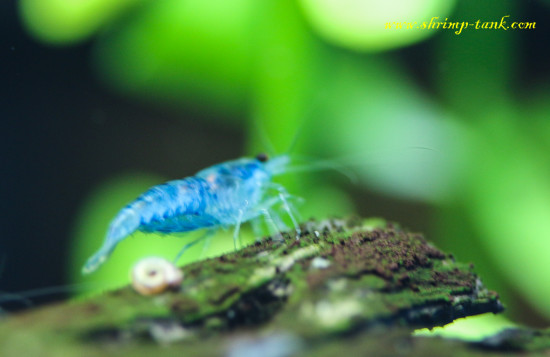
(207, 234)
(269, 220)
(256, 224)
(288, 210)
(206, 245)
(237, 228)
(283, 194)
(263, 225)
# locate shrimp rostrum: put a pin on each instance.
(223, 195)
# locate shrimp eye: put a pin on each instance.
(262, 157)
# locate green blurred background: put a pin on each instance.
(448, 134)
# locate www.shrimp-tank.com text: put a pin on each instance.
(458, 27)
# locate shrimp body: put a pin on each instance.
(220, 196)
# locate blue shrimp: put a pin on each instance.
(220, 196)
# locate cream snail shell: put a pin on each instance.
(154, 275)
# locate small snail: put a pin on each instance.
(154, 275)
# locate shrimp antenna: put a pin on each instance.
(292, 145)
(422, 148)
(24, 297)
(294, 141)
(368, 158)
(264, 138)
(317, 164)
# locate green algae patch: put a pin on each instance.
(341, 277)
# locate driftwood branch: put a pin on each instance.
(346, 285)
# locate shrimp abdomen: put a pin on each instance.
(171, 207)
(124, 224)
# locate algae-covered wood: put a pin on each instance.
(291, 297)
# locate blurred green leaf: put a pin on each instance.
(378, 121)
(183, 53)
(69, 21)
(510, 204)
(361, 24)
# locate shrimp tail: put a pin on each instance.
(96, 260)
(124, 224)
